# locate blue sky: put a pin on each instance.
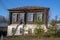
(52, 4)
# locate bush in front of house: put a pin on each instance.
(51, 30)
(39, 31)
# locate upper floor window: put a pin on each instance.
(39, 15)
(22, 17)
(30, 16)
(14, 17)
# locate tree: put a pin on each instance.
(52, 28)
(38, 30)
(2, 19)
(53, 22)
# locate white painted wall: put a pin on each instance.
(31, 26)
(9, 29)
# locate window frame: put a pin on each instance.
(41, 14)
(30, 18)
(13, 30)
(29, 31)
(21, 17)
(14, 17)
(21, 30)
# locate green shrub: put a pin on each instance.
(51, 30)
(39, 31)
(39, 22)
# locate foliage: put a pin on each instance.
(51, 29)
(29, 37)
(53, 22)
(40, 22)
(38, 31)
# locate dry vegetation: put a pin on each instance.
(30, 37)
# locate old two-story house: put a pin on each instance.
(25, 17)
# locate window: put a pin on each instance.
(22, 16)
(14, 17)
(29, 31)
(39, 15)
(13, 30)
(21, 30)
(30, 16)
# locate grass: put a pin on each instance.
(30, 37)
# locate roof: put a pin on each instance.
(28, 7)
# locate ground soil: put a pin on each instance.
(29, 38)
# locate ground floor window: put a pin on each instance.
(21, 30)
(29, 31)
(13, 30)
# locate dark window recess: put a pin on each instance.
(13, 30)
(21, 30)
(29, 31)
(17, 17)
